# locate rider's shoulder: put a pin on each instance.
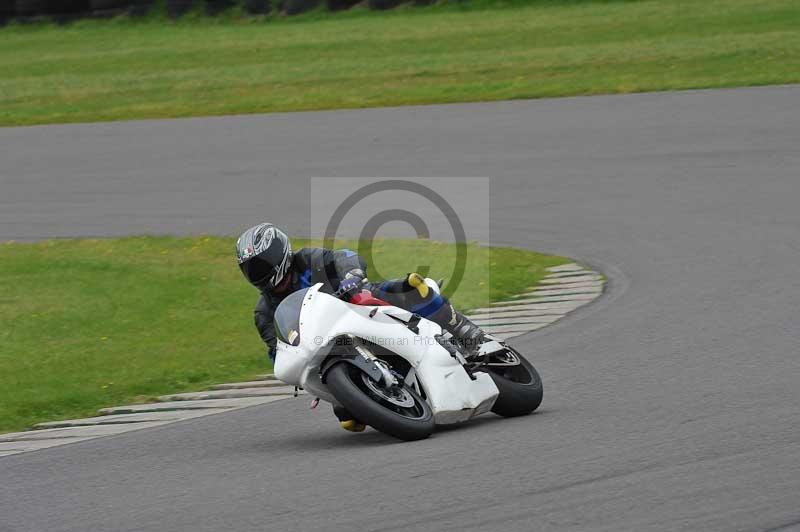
(309, 254)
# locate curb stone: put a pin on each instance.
(494, 321)
(567, 285)
(224, 404)
(561, 291)
(571, 267)
(564, 289)
(121, 419)
(168, 409)
(534, 298)
(251, 384)
(571, 279)
(558, 306)
(234, 393)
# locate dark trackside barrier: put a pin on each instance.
(215, 7)
(104, 5)
(30, 9)
(295, 7)
(257, 7)
(51, 7)
(65, 10)
(339, 5)
(6, 11)
(176, 8)
(383, 4)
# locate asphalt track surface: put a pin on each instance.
(673, 403)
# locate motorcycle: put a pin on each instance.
(394, 370)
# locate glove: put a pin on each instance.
(271, 353)
(351, 282)
(348, 286)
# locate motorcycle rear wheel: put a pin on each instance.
(401, 413)
(519, 383)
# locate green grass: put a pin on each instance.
(126, 69)
(91, 323)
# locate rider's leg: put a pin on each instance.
(412, 294)
(465, 332)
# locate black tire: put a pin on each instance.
(345, 382)
(520, 387)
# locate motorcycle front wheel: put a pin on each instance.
(396, 411)
(518, 381)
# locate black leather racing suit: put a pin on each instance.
(316, 265)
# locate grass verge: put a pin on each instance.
(94, 323)
(471, 51)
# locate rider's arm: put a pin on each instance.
(347, 261)
(264, 319)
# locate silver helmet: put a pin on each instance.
(264, 254)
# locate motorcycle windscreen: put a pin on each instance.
(287, 318)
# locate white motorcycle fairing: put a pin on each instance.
(453, 396)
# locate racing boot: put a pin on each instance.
(465, 333)
(346, 420)
(352, 425)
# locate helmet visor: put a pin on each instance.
(261, 273)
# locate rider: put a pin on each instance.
(266, 259)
